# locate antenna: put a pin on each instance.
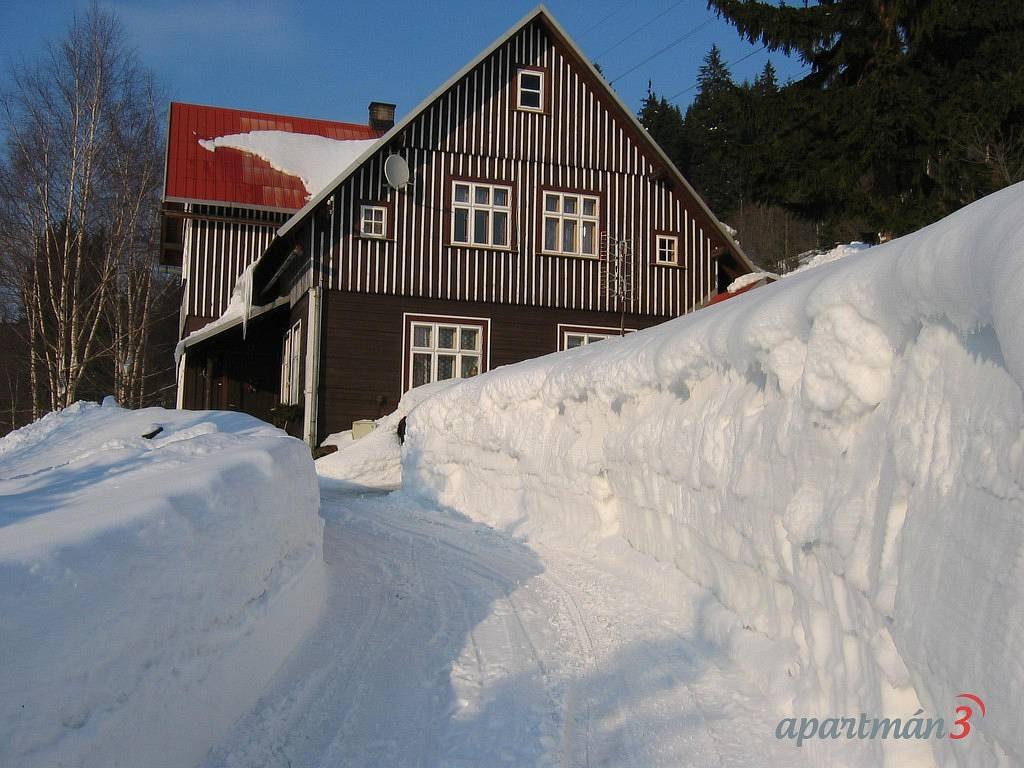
(396, 172)
(616, 274)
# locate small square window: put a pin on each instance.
(667, 249)
(530, 93)
(373, 221)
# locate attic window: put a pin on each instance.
(667, 250)
(530, 90)
(373, 221)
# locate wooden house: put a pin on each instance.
(538, 215)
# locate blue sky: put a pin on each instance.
(330, 58)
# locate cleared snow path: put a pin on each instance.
(447, 643)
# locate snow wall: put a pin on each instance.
(148, 588)
(838, 457)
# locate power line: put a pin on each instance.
(603, 19)
(660, 51)
(675, 96)
(638, 29)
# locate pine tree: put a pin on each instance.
(904, 102)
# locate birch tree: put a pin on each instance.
(79, 185)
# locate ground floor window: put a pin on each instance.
(291, 356)
(572, 336)
(440, 348)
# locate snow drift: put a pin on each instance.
(149, 588)
(838, 457)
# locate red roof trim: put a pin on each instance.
(229, 176)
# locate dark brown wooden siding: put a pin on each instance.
(363, 357)
(219, 243)
(473, 130)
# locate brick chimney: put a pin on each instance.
(382, 116)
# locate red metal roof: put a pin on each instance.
(229, 175)
(729, 294)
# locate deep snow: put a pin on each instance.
(838, 458)
(148, 587)
(447, 643)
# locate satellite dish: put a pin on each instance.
(396, 171)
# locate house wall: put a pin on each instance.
(219, 243)
(581, 143)
(363, 353)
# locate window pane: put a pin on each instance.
(462, 193)
(500, 223)
(469, 339)
(445, 337)
(529, 99)
(551, 203)
(421, 335)
(420, 369)
(530, 81)
(572, 341)
(587, 246)
(501, 197)
(592, 339)
(589, 207)
(445, 367)
(480, 220)
(569, 236)
(461, 234)
(470, 366)
(550, 234)
(483, 195)
(569, 204)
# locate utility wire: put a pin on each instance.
(660, 51)
(675, 96)
(638, 29)
(603, 19)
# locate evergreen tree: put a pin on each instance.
(712, 134)
(905, 101)
(664, 122)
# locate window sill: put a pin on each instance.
(669, 264)
(571, 255)
(477, 247)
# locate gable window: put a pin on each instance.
(570, 224)
(373, 221)
(481, 214)
(444, 348)
(530, 90)
(291, 356)
(666, 249)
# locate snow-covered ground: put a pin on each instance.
(837, 458)
(148, 587)
(447, 643)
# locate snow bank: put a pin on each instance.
(375, 460)
(838, 457)
(149, 588)
(316, 160)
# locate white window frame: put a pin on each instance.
(666, 240)
(482, 352)
(368, 223)
(490, 209)
(291, 364)
(592, 333)
(540, 91)
(578, 218)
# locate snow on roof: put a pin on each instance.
(237, 176)
(316, 160)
